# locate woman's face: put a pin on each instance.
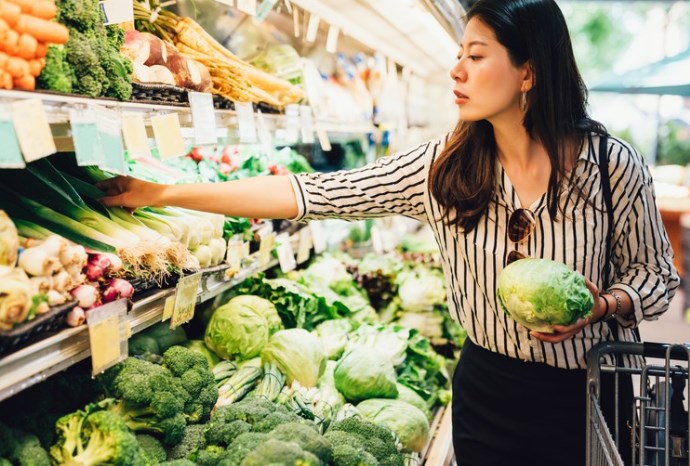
(487, 84)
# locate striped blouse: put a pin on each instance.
(642, 255)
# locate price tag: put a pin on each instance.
(286, 255)
(318, 237)
(264, 9)
(245, 116)
(32, 129)
(292, 123)
(304, 246)
(377, 240)
(312, 28)
(332, 39)
(109, 125)
(136, 139)
(234, 258)
(10, 155)
(186, 293)
(247, 6)
(264, 133)
(117, 11)
(87, 142)
(168, 307)
(168, 135)
(324, 140)
(204, 117)
(107, 335)
(266, 247)
(307, 124)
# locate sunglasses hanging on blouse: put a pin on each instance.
(520, 226)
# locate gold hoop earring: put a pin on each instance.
(523, 102)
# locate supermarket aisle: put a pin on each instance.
(671, 326)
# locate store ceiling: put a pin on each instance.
(405, 31)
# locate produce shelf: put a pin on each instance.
(36, 362)
(58, 106)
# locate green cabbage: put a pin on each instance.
(421, 289)
(240, 328)
(408, 422)
(540, 293)
(333, 336)
(297, 354)
(365, 373)
(411, 397)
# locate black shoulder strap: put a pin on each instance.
(606, 191)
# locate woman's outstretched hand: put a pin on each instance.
(123, 191)
(565, 332)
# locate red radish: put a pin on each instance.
(76, 317)
(94, 272)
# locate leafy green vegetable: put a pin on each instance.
(540, 293)
(298, 355)
(421, 288)
(363, 373)
(240, 328)
(333, 335)
(409, 423)
(199, 347)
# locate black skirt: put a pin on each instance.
(508, 412)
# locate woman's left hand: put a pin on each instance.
(562, 332)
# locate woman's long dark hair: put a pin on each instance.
(463, 178)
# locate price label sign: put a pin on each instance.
(324, 140)
(377, 240)
(292, 123)
(87, 142)
(186, 293)
(136, 139)
(264, 9)
(109, 126)
(332, 39)
(264, 133)
(318, 237)
(32, 129)
(117, 11)
(307, 121)
(234, 258)
(268, 240)
(204, 117)
(168, 135)
(247, 126)
(10, 155)
(107, 326)
(168, 307)
(286, 255)
(304, 245)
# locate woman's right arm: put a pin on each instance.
(260, 197)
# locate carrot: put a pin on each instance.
(3, 60)
(17, 67)
(27, 46)
(44, 9)
(42, 30)
(11, 43)
(27, 83)
(25, 5)
(41, 50)
(5, 80)
(10, 13)
(35, 67)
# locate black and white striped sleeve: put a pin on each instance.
(394, 185)
(643, 257)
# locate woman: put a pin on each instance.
(524, 154)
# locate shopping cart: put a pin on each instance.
(660, 419)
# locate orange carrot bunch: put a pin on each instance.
(26, 30)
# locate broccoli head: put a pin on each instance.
(82, 52)
(82, 15)
(28, 451)
(306, 436)
(196, 378)
(365, 436)
(57, 74)
(5, 462)
(178, 462)
(152, 450)
(194, 438)
(277, 452)
(224, 434)
(242, 446)
(212, 455)
(148, 397)
(93, 437)
(276, 419)
(347, 455)
(8, 440)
